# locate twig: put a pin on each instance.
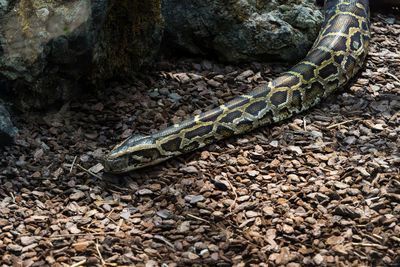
(159, 237)
(72, 165)
(72, 235)
(86, 243)
(98, 252)
(234, 192)
(369, 245)
(338, 124)
(360, 256)
(78, 263)
(393, 76)
(377, 236)
(119, 225)
(372, 198)
(197, 218)
(90, 172)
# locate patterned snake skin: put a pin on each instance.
(337, 54)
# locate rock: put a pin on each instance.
(242, 30)
(253, 173)
(189, 169)
(318, 259)
(7, 129)
(184, 227)
(165, 214)
(221, 184)
(175, 96)
(192, 256)
(144, 191)
(347, 211)
(51, 50)
(193, 199)
(28, 240)
(14, 248)
(77, 195)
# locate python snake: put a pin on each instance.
(337, 54)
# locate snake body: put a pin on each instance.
(337, 54)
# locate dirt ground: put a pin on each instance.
(322, 188)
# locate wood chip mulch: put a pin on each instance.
(322, 188)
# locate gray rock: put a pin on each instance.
(51, 50)
(193, 199)
(243, 30)
(7, 129)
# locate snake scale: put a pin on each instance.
(337, 54)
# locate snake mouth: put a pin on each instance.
(115, 165)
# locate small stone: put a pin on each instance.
(316, 134)
(164, 214)
(164, 91)
(350, 140)
(81, 247)
(334, 240)
(213, 247)
(318, 259)
(175, 96)
(340, 249)
(353, 191)
(77, 195)
(204, 253)
(252, 173)
(243, 198)
(259, 150)
(193, 199)
(215, 256)
(363, 171)
(217, 215)
(214, 83)
(14, 248)
(151, 263)
(347, 211)
(242, 160)
(125, 215)
(3, 222)
(73, 229)
(193, 256)
(274, 143)
(251, 214)
(184, 227)
(221, 184)
(295, 149)
(189, 169)
(310, 220)
(341, 185)
(378, 127)
(145, 191)
(242, 76)
(287, 229)
(268, 211)
(28, 240)
(182, 77)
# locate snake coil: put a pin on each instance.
(337, 54)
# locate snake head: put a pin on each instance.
(135, 152)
